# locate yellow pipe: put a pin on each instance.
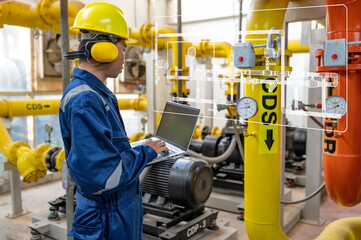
(217, 49)
(145, 37)
(45, 16)
(295, 46)
(31, 107)
(139, 104)
(30, 163)
(136, 137)
(343, 229)
(197, 133)
(262, 157)
(216, 131)
(5, 140)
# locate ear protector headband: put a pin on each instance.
(103, 51)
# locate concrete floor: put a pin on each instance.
(35, 200)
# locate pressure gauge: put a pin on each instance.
(336, 105)
(48, 128)
(247, 107)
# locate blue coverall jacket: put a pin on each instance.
(101, 161)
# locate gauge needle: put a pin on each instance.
(244, 107)
(334, 107)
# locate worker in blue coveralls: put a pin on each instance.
(99, 157)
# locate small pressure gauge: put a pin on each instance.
(48, 128)
(247, 107)
(336, 105)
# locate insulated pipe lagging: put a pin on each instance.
(221, 158)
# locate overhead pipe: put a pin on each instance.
(45, 16)
(342, 150)
(145, 37)
(32, 107)
(262, 164)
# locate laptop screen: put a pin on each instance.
(177, 124)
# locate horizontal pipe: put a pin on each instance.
(32, 107)
(295, 46)
(45, 16)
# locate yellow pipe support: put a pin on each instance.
(262, 148)
(343, 229)
(295, 46)
(45, 16)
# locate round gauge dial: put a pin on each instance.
(336, 105)
(48, 128)
(247, 107)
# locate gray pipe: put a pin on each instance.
(66, 79)
(64, 42)
(213, 160)
(179, 47)
(240, 146)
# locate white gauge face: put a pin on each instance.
(247, 107)
(336, 105)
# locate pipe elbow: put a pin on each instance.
(31, 163)
(343, 229)
(140, 104)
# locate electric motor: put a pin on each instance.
(185, 181)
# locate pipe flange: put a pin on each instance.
(60, 159)
(39, 152)
(12, 158)
(33, 176)
(144, 31)
(44, 12)
(203, 46)
(50, 159)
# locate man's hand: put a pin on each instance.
(158, 145)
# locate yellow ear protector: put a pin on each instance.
(103, 51)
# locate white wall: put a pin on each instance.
(135, 11)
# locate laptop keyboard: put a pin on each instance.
(172, 150)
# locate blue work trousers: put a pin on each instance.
(114, 216)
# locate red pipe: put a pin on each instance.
(342, 151)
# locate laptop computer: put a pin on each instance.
(175, 129)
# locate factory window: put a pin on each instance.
(15, 60)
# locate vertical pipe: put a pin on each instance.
(64, 42)
(342, 151)
(240, 15)
(5, 140)
(262, 150)
(66, 80)
(179, 47)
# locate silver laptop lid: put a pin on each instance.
(177, 124)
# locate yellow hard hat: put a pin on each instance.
(101, 17)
